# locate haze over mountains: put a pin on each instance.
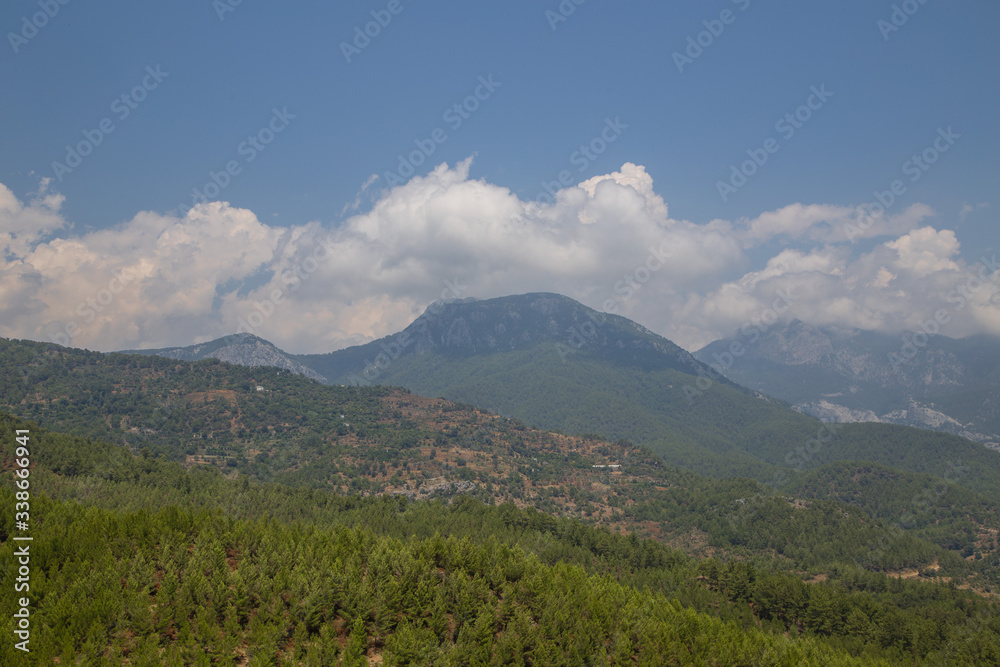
(846, 375)
(350, 335)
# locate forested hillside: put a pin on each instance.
(139, 561)
(375, 440)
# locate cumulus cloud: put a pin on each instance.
(831, 224)
(147, 281)
(926, 251)
(160, 280)
(23, 225)
(893, 288)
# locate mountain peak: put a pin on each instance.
(482, 326)
(243, 349)
(538, 325)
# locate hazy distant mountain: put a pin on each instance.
(243, 349)
(849, 375)
(554, 363)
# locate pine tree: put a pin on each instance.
(354, 652)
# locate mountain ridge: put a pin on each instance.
(846, 374)
(458, 328)
(242, 349)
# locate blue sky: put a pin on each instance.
(892, 93)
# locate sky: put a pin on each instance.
(318, 173)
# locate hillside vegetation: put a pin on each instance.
(139, 561)
(375, 440)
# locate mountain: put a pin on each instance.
(243, 349)
(251, 513)
(466, 328)
(281, 427)
(849, 375)
(554, 363)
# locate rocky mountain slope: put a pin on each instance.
(850, 375)
(460, 329)
(242, 349)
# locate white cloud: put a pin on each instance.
(830, 224)
(796, 220)
(160, 280)
(926, 251)
(893, 288)
(21, 226)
